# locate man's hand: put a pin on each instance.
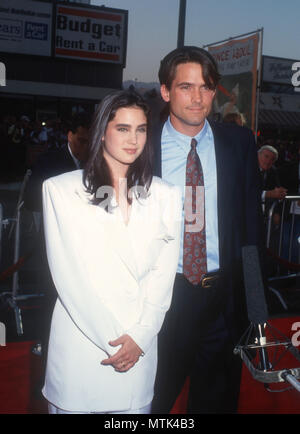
(126, 357)
(276, 193)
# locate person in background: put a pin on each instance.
(54, 162)
(234, 118)
(270, 183)
(271, 191)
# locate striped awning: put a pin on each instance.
(279, 118)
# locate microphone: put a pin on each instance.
(258, 316)
(255, 296)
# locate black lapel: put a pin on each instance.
(68, 160)
(224, 168)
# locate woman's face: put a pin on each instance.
(125, 137)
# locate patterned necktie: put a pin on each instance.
(194, 246)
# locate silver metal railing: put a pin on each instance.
(285, 223)
(14, 295)
(293, 235)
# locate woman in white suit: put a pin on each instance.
(112, 235)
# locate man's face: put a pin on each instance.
(190, 99)
(79, 143)
(266, 159)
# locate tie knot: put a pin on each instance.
(193, 144)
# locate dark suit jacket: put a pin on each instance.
(270, 180)
(239, 207)
(49, 164)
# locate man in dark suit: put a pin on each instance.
(271, 191)
(54, 162)
(270, 182)
(207, 318)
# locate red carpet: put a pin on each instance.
(19, 377)
(20, 373)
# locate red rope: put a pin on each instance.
(13, 268)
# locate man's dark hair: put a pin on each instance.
(189, 54)
(79, 120)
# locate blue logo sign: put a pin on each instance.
(38, 31)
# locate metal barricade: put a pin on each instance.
(284, 259)
(13, 296)
(1, 223)
(293, 235)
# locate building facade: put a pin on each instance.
(59, 57)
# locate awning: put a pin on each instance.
(279, 118)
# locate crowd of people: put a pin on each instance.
(23, 139)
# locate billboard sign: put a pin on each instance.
(91, 34)
(25, 27)
(278, 70)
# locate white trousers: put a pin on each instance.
(52, 409)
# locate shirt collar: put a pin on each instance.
(184, 140)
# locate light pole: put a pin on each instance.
(181, 23)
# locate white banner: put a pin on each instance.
(25, 27)
(236, 56)
(90, 34)
(237, 64)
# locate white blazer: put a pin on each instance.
(111, 279)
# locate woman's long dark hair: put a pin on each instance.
(97, 172)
